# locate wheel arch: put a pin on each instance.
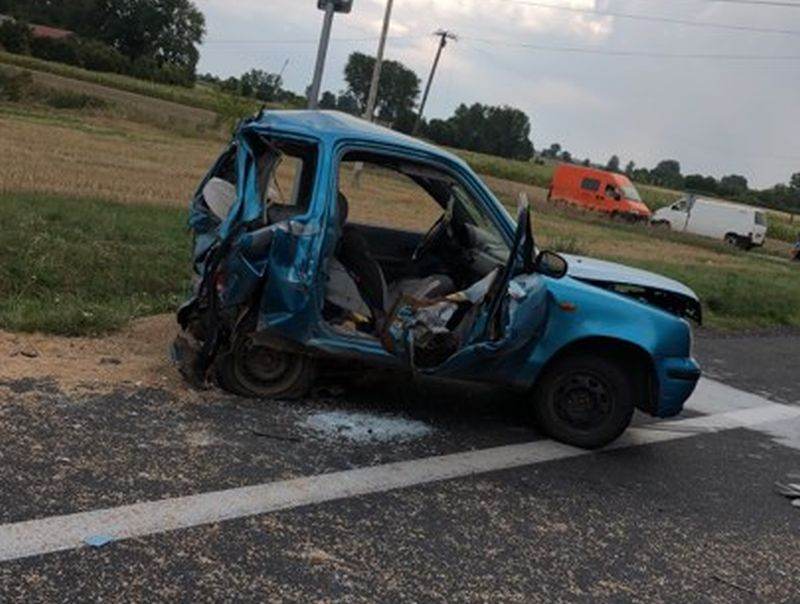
(632, 355)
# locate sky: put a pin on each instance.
(716, 116)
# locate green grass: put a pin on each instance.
(80, 266)
(755, 295)
(74, 266)
(780, 227)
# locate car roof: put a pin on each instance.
(726, 204)
(591, 171)
(334, 126)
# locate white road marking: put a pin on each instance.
(58, 533)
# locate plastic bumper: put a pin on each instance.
(677, 378)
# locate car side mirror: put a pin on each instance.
(551, 264)
(618, 196)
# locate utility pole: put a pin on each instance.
(372, 97)
(330, 7)
(376, 71)
(444, 36)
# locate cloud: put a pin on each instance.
(715, 116)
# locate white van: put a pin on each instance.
(740, 225)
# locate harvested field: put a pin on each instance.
(99, 156)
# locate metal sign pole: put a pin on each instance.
(313, 93)
(376, 72)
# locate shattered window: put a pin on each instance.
(289, 186)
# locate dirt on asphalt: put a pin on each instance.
(137, 356)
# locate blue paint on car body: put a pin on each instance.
(289, 280)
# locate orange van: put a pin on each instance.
(597, 190)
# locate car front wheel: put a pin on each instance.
(584, 400)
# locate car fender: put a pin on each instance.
(582, 313)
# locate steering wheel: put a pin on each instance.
(440, 227)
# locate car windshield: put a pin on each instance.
(630, 192)
(761, 219)
(484, 231)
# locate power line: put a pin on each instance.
(309, 40)
(777, 3)
(635, 53)
(656, 18)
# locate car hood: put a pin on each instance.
(651, 288)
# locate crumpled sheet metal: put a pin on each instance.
(423, 334)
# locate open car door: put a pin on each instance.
(474, 333)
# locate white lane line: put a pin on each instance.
(58, 533)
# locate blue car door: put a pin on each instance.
(497, 327)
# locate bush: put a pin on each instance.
(97, 56)
(14, 87)
(15, 37)
(147, 68)
(64, 99)
(63, 50)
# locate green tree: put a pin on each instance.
(167, 31)
(552, 151)
(667, 174)
(15, 37)
(347, 103)
(733, 184)
(398, 87)
(503, 131)
(613, 164)
(566, 156)
(327, 100)
(629, 168)
(794, 181)
(703, 184)
(261, 85)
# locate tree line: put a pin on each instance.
(503, 131)
(154, 40)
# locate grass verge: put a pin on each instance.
(73, 266)
(77, 266)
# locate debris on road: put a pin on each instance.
(273, 436)
(366, 428)
(790, 489)
(98, 541)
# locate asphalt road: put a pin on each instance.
(691, 518)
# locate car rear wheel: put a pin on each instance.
(584, 400)
(257, 371)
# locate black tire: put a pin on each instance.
(585, 400)
(732, 239)
(256, 371)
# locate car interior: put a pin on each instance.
(444, 244)
(407, 230)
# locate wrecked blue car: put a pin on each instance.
(322, 239)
